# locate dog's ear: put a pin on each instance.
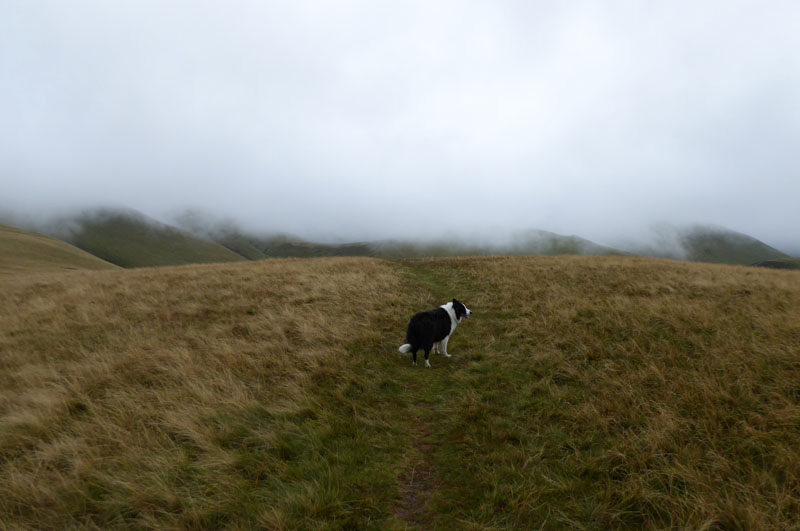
(455, 301)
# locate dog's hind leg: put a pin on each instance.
(437, 348)
(414, 356)
(427, 353)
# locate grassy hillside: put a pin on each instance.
(129, 239)
(24, 251)
(241, 245)
(585, 393)
(721, 246)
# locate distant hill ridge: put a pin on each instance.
(696, 243)
(130, 239)
(254, 246)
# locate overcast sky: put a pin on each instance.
(366, 119)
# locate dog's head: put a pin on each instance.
(462, 312)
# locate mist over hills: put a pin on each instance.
(530, 242)
(705, 243)
(719, 245)
(697, 243)
(130, 239)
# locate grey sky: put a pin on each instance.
(365, 119)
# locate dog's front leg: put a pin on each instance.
(437, 348)
(444, 346)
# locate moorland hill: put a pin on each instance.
(130, 239)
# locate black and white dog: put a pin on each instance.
(432, 329)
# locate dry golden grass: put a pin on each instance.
(115, 385)
(584, 393)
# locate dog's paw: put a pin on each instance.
(427, 364)
(446, 355)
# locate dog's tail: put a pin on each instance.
(405, 349)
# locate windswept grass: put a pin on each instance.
(584, 393)
(185, 396)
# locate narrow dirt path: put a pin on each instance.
(418, 481)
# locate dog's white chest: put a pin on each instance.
(452, 313)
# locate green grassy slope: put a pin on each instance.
(131, 240)
(585, 392)
(720, 246)
(240, 245)
(538, 242)
(24, 251)
(786, 263)
(224, 232)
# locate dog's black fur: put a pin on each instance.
(429, 328)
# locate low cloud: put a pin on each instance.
(357, 120)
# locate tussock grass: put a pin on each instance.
(167, 396)
(584, 393)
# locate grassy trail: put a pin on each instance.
(411, 400)
(435, 467)
(372, 429)
(458, 399)
(394, 421)
(421, 480)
